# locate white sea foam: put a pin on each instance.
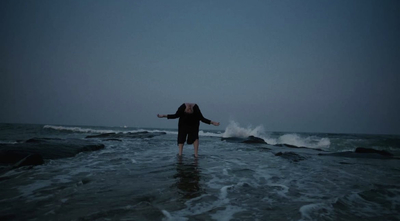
(197, 206)
(310, 142)
(29, 190)
(102, 131)
(227, 213)
(224, 192)
(7, 142)
(235, 130)
(230, 210)
(209, 134)
(281, 190)
(63, 178)
(308, 210)
(169, 217)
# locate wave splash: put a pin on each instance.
(310, 142)
(235, 130)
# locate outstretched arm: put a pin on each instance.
(178, 113)
(205, 120)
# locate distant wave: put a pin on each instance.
(122, 130)
(7, 142)
(235, 130)
(76, 129)
(209, 134)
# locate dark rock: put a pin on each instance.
(113, 139)
(7, 217)
(246, 185)
(291, 146)
(290, 156)
(249, 140)
(85, 181)
(30, 160)
(368, 150)
(287, 145)
(10, 156)
(264, 149)
(41, 140)
(253, 139)
(91, 147)
(233, 139)
(344, 163)
(294, 146)
(105, 135)
(363, 153)
(27, 153)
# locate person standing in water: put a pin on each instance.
(189, 115)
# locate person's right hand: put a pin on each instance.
(215, 123)
(160, 115)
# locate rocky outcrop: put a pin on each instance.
(368, 150)
(253, 139)
(257, 140)
(249, 140)
(361, 152)
(30, 160)
(293, 157)
(36, 150)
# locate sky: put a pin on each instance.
(298, 66)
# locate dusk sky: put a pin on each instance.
(298, 66)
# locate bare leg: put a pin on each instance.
(196, 147)
(180, 149)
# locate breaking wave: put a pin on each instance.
(235, 130)
(77, 129)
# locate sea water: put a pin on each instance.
(142, 178)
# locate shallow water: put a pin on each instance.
(144, 179)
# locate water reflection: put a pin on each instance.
(188, 177)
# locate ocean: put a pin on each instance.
(242, 173)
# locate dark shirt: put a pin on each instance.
(189, 119)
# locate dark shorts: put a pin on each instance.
(192, 134)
